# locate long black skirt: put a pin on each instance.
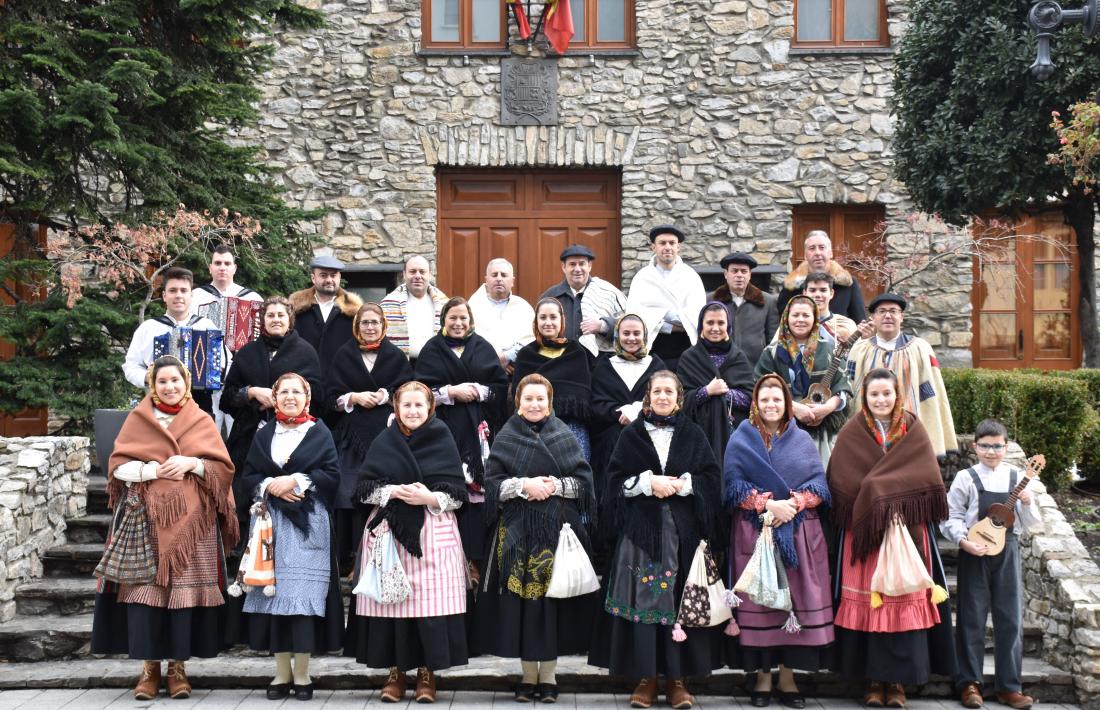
(436, 642)
(803, 658)
(150, 633)
(531, 629)
(299, 633)
(647, 650)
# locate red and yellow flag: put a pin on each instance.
(559, 25)
(521, 18)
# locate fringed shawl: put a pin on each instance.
(568, 373)
(696, 370)
(428, 456)
(792, 464)
(438, 367)
(639, 518)
(315, 456)
(869, 486)
(184, 511)
(518, 452)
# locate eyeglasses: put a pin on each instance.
(370, 323)
(888, 311)
(991, 447)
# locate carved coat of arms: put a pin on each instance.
(529, 92)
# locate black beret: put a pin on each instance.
(577, 250)
(738, 257)
(886, 298)
(665, 229)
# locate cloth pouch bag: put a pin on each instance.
(128, 557)
(382, 577)
(573, 573)
(703, 602)
(764, 579)
(900, 569)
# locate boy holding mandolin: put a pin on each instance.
(988, 505)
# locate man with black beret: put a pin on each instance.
(591, 304)
(912, 359)
(668, 295)
(755, 317)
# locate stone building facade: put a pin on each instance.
(715, 121)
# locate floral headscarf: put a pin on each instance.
(304, 415)
(643, 351)
(771, 380)
(800, 360)
(368, 308)
(151, 379)
(559, 340)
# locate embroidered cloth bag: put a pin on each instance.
(129, 557)
(764, 578)
(703, 601)
(572, 574)
(382, 577)
(900, 569)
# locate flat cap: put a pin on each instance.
(576, 250)
(886, 298)
(738, 257)
(326, 261)
(665, 229)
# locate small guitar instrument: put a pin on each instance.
(990, 530)
(820, 392)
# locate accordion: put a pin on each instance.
(237, 318)
(200, 351)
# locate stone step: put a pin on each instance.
(97, 494)
(73, 559)
(89, 528)
(1047, 683)
(63, 596)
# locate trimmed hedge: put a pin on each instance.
(1045, 414)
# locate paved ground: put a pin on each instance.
(116, 699)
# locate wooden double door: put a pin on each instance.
(526, 217)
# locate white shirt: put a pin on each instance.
(962, 501)
(630, 371)
(139, 356)
(891, 344)
(325, 306)
(283, 444)
(201, 296)
(420, 320)
(505, 324)
(642, 484)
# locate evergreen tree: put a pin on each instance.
(974, 131)
(111, 110)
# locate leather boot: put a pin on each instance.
(425, 686)
(971, 696)
(394, 689)
(895, 695)
(1016, 700)
(148, 685)
(178, 685)
(645, 693)
(677, 695)
(875, 697)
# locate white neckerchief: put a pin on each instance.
(630, 371)
(286, 440)
(891, 344)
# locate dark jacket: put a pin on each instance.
(755, 321)
(326, 337)
(847, 295)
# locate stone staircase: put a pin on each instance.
(47, 643)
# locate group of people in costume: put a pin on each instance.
(576, 489)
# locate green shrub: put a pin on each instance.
(1088, 462)
(1045, 414)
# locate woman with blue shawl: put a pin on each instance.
(771, 465)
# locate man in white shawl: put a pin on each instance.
(668, 295)
(912, 359)
(591, 304)
(502, 317)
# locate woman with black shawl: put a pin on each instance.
(469, 386)
(801, 357)
(717, 378)
(884, 468)
(293, 467)
(247, 395)
(772, 466)
(536, 479)
(359, 380)
(619, 383)
(564, 363)
(413, 483)
(661, 500)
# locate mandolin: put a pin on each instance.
(819, 392)
(990, 530)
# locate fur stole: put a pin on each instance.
(753, 295)
(795, 279)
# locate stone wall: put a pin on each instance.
(43, 483)
(716, 122)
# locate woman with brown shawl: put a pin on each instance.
(170, 457)
(883, 467)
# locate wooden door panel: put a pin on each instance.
(457, 270)
(505, 191)
(853, 229)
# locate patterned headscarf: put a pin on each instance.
(151, 379)
(800, 360)
(643, 351)
(363, 344)
(771, 380)
(558, 341)
(304, 415)
(412, 385)
(647, 408)
(897, 427)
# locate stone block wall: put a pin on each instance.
(715, 121)
(43, 483)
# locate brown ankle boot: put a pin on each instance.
(875, 697)
(425, 686)
(394, 689)
(895, 695)
(645, 693)
(148, 685)
(179, 687)
(677, 695)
